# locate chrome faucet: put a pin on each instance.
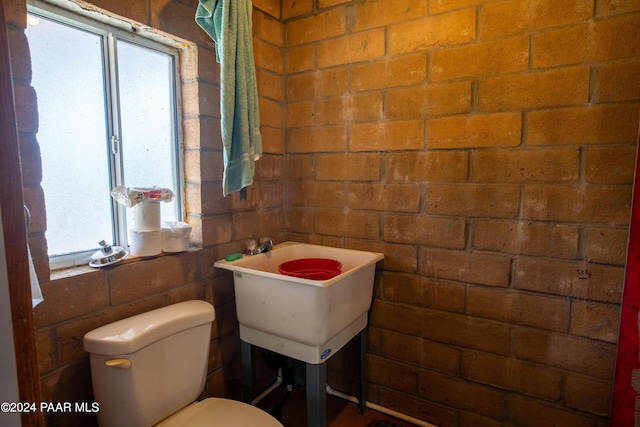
(265, 245)
(253, 249)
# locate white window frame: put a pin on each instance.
(111, 30)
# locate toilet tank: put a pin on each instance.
(147, 367)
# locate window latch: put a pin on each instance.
(115, 142)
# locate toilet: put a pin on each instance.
(149, 369)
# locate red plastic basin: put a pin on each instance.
(311, 268)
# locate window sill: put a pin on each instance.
(85, 269)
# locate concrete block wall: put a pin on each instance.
(487, 148)
(81, 299)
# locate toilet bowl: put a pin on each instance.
(149, 370)
(219, 412)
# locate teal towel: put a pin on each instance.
(228, 23)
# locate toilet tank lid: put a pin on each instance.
(133, 333)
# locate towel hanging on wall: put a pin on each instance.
(228, 23)
(36, 292)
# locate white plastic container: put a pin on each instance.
(146, 216)
(145, 242)
(175, 236)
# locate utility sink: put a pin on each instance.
(308, 320)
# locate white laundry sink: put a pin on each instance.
(309, 320)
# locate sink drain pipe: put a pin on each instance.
(269, 389)
(353, 399)
(379, 408)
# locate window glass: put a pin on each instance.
(68, 79)
(107, 108)
(146, 115)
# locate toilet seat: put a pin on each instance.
(220, 412)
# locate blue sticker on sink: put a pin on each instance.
(325, 354)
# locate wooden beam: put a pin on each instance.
(15, 238)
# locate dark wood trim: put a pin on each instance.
(15, 238)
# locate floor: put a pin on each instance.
(290, 408)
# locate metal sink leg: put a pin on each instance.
(247, 381)
(317, 395)
(361, 369)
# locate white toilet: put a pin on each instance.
(149, 369)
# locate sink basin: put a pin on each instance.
(309, 320)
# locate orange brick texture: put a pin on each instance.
(487, 148)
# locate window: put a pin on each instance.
(107, 105)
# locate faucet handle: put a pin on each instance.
(251, 246)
